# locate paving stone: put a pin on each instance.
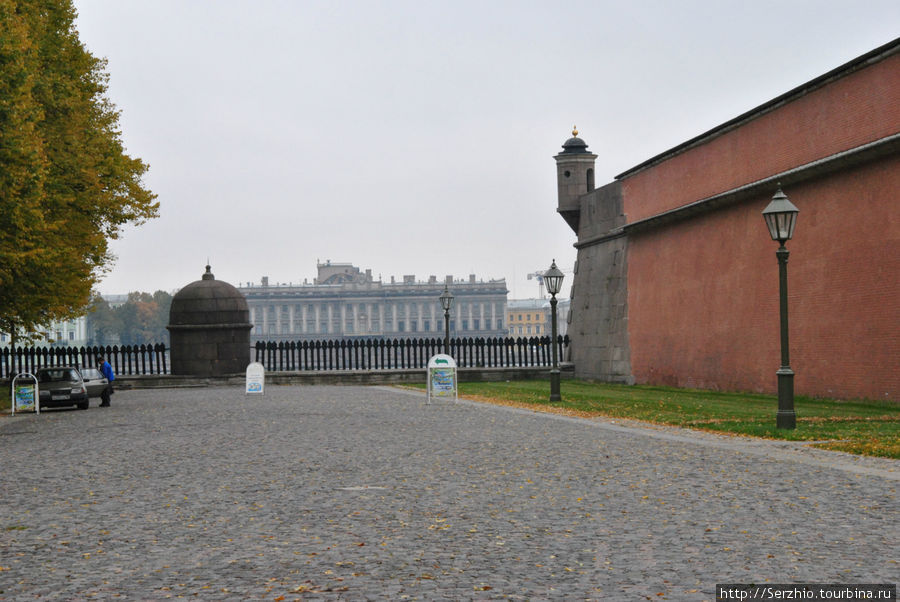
(361, 493)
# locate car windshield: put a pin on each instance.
(58, 374)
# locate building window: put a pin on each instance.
(427, 325)
(476, 324)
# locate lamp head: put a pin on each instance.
(781, 217)
(446, 299)
(553, 279)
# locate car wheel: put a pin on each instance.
(83, 405)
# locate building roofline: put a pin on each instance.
(883, 147)
(860, 62)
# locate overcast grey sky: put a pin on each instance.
(417, 137)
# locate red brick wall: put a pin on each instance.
(703, 293)
(846, 113)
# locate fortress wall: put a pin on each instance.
(843, 114)
(703, 293)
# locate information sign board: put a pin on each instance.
(256, 379)
(442, 378)
(25, 395)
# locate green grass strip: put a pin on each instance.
(859, 427)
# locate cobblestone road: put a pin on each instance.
(366, 493)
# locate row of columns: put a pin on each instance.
(362, 322)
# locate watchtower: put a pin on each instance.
(574, 177)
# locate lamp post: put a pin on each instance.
(446, 302)
(553, 279)
(781, 218)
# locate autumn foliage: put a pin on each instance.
(66, 184)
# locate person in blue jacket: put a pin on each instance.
(107, 371)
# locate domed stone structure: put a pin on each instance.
(574, 145)
(209, 329)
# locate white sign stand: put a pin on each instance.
(442, 378)
(256, 379)
(26, 397)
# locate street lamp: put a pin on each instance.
(781, 218)
(553, 279)
(446, 302)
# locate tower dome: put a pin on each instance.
(574, 145)
(209, 328)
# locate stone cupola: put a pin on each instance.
(209, 329)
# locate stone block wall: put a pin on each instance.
(599, 312)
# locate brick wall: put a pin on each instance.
(703, 293)
(848, 112)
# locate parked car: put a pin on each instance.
(94, 381)
(62, 387)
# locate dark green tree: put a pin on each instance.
(103, 325)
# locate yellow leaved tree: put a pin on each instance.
(66, 184)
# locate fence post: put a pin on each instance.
(394, 347)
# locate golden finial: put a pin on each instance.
(574, 131)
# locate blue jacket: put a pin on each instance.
(107, 371)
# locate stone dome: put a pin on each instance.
(209, 329)
(209, 301)
(574, 145)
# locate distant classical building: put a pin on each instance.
(62, 333)
(677, 280)
(531, 317)
(344, 302)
